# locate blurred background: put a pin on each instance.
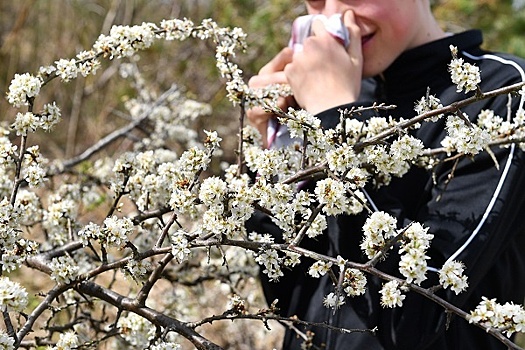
(36, 33)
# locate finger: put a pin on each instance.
(354, 32)
(263, 80)
(278, 63)
(319, 28)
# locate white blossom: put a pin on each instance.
(377, 228)
(213, 191)
(166, 346)
(451, 275)
(25, 122)
(6, 342)
(271, 261)
(137, 269)
(354, 282)
(66, 69)
(28, 205)
(428, 104)
(176, 29)
(46, 71)
(319, 268)
(413, 265)
(414, 245)
(332, 193)
(358, 177)
(300, 122)
(380, 156)
(508, 317)
(117, 231)
(391, 294)
(342, 158)
(66, 341)
(180, 247)
(375, 125)
(87, 63)
(89, 232)
(136, 330)
(13, 297)
(333, 301)
(406, 148)
(465, 139)
(57, 218)
(35, 175)
(64, 269)
(466, 76)
(22, 87)
(50, 116)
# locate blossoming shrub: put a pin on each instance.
(139, 240)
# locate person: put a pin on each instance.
(398, 52)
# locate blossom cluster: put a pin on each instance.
(333, 194)
(64, 269)
(22, 87)
(392, 294)
(271, 261)
(353, 282)
(378, 228)
(66, 341)
(451, 275)
(428, 104)
(14, 248)
(509, 317)
(136, 330)
(117, 231)
(13, 296)
(405, 150)
(414, 244)
(319, 268)
(6, 342)
(29, 122)
(466, 76)
(228, 203)
(125, 41)
(333, 300)
(467, 139)
(180, 246)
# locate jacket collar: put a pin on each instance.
(423, 67)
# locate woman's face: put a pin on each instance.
(388, 27)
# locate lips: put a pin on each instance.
(366, 38)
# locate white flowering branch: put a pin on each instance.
(426, 292)
(453, 108)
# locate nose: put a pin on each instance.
(331, 7)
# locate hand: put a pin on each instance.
(271, 73)
(325, 74)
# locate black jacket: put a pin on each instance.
(479, 219)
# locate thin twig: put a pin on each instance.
(118, 133)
